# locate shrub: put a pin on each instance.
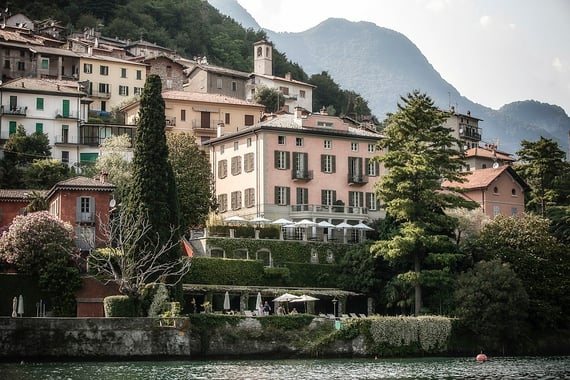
(119, 306)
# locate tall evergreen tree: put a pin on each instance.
(152, 198)
(543, 167)
(193, 179)
(419, 152)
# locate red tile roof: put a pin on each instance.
(478, 179)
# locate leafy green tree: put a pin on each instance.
(539, 260)
(20, 150)
(492, 302)
(152, 198)
(43, 174)
(194, 181)
(327, 92)
(271, 98)
(542, 168)
(43, 246)
(113, 160)
(419, 152)
(37, 202)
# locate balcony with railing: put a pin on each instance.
(301, 175)
(63, 139)
(469, 132)
(100, 94)
(357, 179)
(59, 114)
(14, 111)
(309, 211)
(210, 129)
(170, 122)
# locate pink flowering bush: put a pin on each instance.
(43, 246)
(36, 239)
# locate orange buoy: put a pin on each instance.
(481, 357)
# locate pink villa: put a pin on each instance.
(298, 166)
(498, 190)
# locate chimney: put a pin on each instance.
(23, 84)
(103, 177)
(220, 129)
(288, 76)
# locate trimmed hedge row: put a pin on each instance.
(215, 271)
(119, 306)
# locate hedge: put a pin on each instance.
(119, 306)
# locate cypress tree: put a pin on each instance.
(152, 196)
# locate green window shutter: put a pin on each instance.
(88, 157)
(276, 156)
(323, 197)
(39, 128)
(45, 64)
(276, 192)
(322, 163)
(287, 160)
(351, 198)
(78, 209)
(65, 108)
(334, 196)
(12, 128)
(288, 196)
(296, 160)
(13, 102)
(39, 103)
(334, 164)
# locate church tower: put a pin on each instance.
(262, 58)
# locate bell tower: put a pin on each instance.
(262, 58)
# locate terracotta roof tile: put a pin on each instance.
(477, 179)
(19, 194)
(206, 98)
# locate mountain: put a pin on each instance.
(382, 65)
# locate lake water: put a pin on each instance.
(423, 368)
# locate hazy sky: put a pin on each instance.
(493, 51)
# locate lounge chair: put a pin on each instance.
(352, 315)
(362, 315)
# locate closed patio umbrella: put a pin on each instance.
(258, 300)
(21, 305)
(227, 301)
(15, 307)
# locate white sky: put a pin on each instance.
(493, 51)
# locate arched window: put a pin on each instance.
(259, 51)
(514, 192)
(495, 190)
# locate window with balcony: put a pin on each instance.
(103, 70)
(236, 165)
(355, 170)
(104, 88)
(302, 196)
(328, 163)
(355, 198)
(282, 196)
(328, 197)
(282, 160)
(235, 200)
(301, 166)
(222, 169)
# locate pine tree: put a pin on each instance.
(419, 152)
(152, 198)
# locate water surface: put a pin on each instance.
(423, 368)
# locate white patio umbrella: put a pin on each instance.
(285, 297)
(281, 222)
(362, 226)
(344, 225)
(305, 223)
(234, 219)
(260, 220)
(21, 305)
(258, 300)
(325, 224)
(15, 307)
(227, 301)
(305, 298)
